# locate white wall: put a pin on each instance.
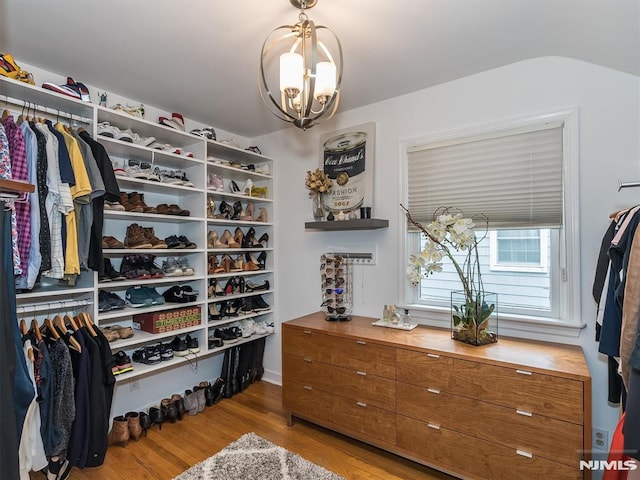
(608, 103)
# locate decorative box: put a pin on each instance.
(167, 320)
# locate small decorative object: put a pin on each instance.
(103, 99)
(331, 217)
(341, 216)
(318, 184)
(474, 312)
(353, 215)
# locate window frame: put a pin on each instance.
(568, 321)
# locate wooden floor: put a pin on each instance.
(164, 454)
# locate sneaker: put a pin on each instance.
(135, 236)
(225, 335)
(261, 328)
(125, 135)
(144, 141)
(262, 168)
(79, 88)
(166, 176)
(183, 263)
(187, 243)
(147, 355)
(123, 363)
(133, 267)
(103, 302)
(180, 294)
(192, 344)
(171, 268)
(62, 89)
(107, 130)
(117, 169)
(270, 327)
(138, 297)
(259, 304)
(134, 171)
(179, 347)
(115, 301)
(182, 177)
(156, 298)
(166, 353)
(214, 342)
(117, 206)
(109, 301)
(172, 241)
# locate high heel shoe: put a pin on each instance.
(156, 416)
(214, 313)
(262, 216)
(216, 290)
(233, 187)
(228, 239)
(238, 236)
(169, 410)
(214, 266)
(249, 238)
(237, 210)
(247, 187)
(225, 210)
(145, 422)
(178, 401)
(251, 263)
(237, 263)
(241, 284)
(211, 208)
(214, 242)
(227, 263)
(262, 260)
(248, 212)
(264, 238)
(230, 287)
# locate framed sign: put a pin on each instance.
(348, 159)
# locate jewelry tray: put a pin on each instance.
(397, 326)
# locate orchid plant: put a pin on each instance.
(451, 231)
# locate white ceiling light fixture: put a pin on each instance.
(308, 74)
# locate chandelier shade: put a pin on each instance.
(300, 77)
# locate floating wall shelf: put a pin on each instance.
(358, 224)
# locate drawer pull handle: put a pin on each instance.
(308, 360)
(524, 453)
(307, 387)
(433, 390)
(364, 374)
(433, 355)
(361, 404)
(361, 342)
(524, 412)
(307, 332)
(434, 426)
(524, 372)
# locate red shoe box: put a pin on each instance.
(167, 320)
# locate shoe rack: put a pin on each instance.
(51, 297)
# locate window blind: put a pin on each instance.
(514, 177)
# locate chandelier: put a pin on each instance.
(307, 75)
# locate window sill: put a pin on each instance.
(519, 326)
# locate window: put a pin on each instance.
(520, 175)
(519, 250)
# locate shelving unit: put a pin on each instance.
(358, 224)
(206, 159)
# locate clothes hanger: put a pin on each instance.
(24, 330)
(35, 328)
(88, 321)
(21, 116)
(5, 112)
(68, 319)
(60, 325)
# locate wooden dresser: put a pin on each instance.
(512, 410)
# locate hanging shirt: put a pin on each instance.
(5, 172)
(19, 171)
(44, 236)
(29, 276)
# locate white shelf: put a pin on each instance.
(150, 282)
(213, 324)
(224, 298)
(237, 223)
(243, 274)
(142, 185)
(129, 311)
(169, 252)
(232, 197)
(147, 218)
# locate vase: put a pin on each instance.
(317, 206)
(474, 318)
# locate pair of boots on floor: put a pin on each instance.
(242, 365)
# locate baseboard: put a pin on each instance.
(272, 377)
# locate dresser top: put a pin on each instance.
(543, 357)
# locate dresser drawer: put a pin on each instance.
(359, 354)
(302, 342)
(543, 436)
(547, 395)
(481, 459)
(361, 418)
(357, 385)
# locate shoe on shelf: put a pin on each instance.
(107, 130)
(62, 89)
(128, 205)
(111, 242)
(225, 335)
(138, 297)
(166, 353)
(110, 273)
(137, 200)
(187, 243)
(180, 294)
(171, 268)
(148, 355)
(110, 301)
(247, 187)
(123, 363)
(80, 88)
(179, 347)
(259, 304)
(117, 169)
(135, 237)
(150, 236)
(261, 328)
(192, 344)
(117, 206)
(182, 176)
(270, 327)
(262, 168)
(183, 263)
(214, 342)
(109, 334)
(215, 182)
(173, 242)
(125, 135)
(253, 287)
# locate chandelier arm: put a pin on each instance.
(310, 78)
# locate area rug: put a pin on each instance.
(253, 458)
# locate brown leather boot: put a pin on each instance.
(150, 235)
(119, 434)
(125, 201)
(136, 238)
(137, 199)
(135, 429)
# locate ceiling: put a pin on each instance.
(201, 57)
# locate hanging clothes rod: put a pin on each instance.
(50, 306)
(25, 105)
(622, 185)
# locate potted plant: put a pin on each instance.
(318, 184)
(473, 310)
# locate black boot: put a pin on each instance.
(226, 373)
(235, 364)
(257, 358)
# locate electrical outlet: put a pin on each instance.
(134, 385)
(600, 439)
